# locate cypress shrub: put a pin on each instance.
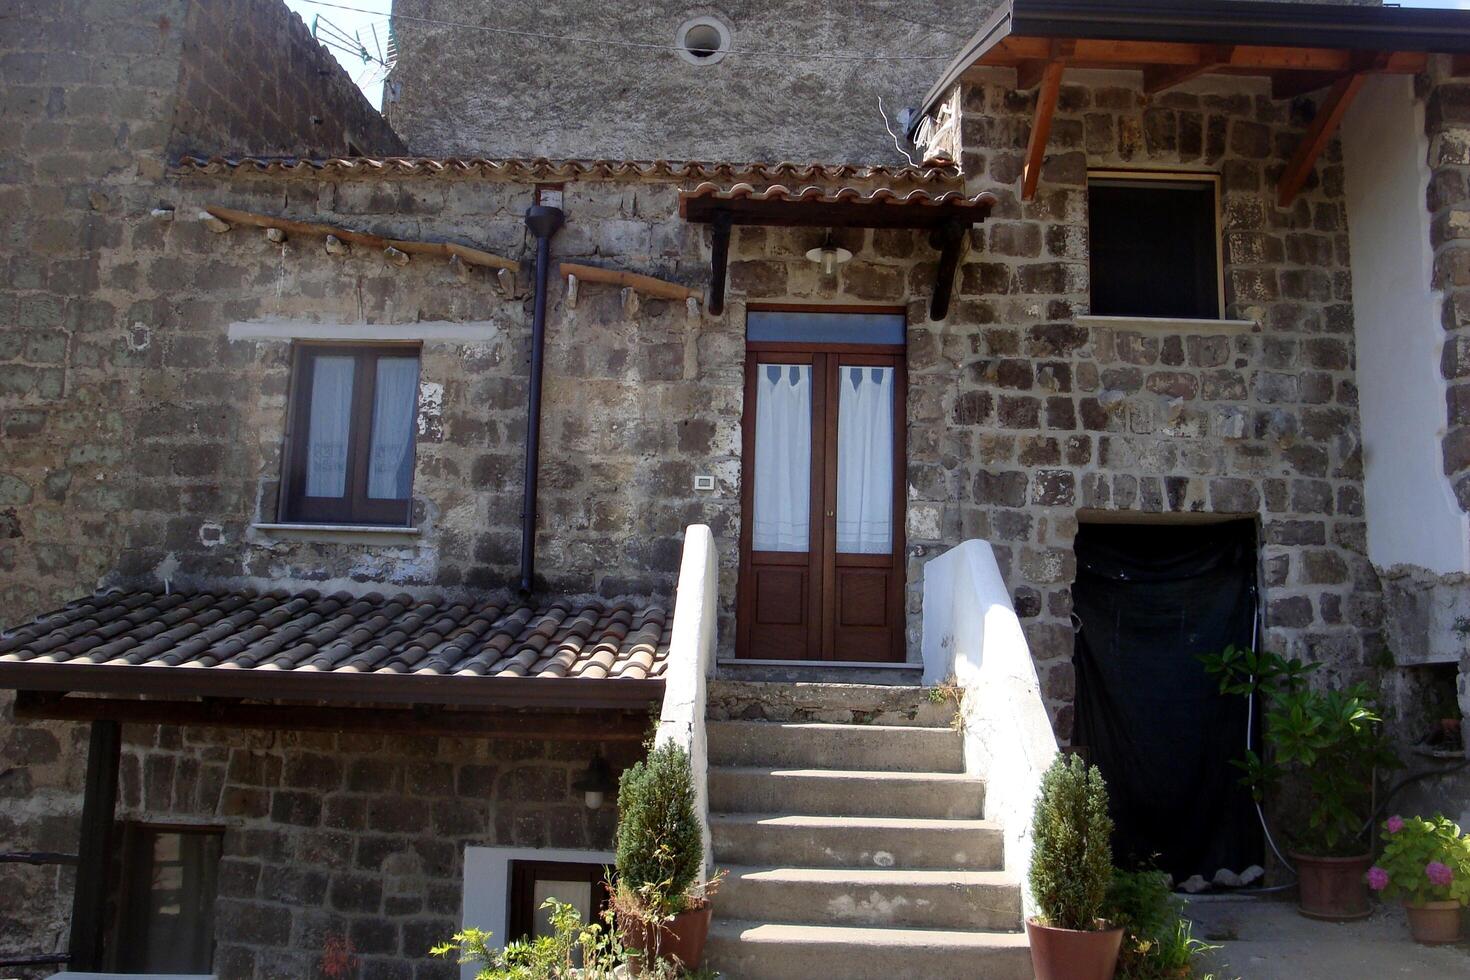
(1071, 849)
(660, 844)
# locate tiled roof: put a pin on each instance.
(544, 169)
(842, 195)
(296, 641)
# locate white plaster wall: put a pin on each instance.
(1413, 517)
(972, 634)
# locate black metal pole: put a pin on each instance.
(94, 850)
(543, 222)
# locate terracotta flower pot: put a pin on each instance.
(1332, 888)
(1434, 922)
(681, 939)
(1073, 954)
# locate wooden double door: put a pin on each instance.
(822, 568)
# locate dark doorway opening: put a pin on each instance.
(1149, 601)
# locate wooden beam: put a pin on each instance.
(1046, 107)
(1329, 114)
(94, 851)
(1264, 59)
(661, 288)
(719, 262)
(950, 240)
(608, 725)
(1157, 78)
(1288, 84)
(466, 254)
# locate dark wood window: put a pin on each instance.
(533, 882)
(166, 908)
(1155, 247)
(350, 448)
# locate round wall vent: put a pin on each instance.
(702, 40)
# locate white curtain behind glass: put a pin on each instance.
(390, 459)
(865, 460)
(783, 457)
(327, 429)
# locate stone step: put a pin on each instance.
(821, 672)
(987, 900)
(829, 792)
(777, 951)
(855, 842)
(890, 748)
(860, 704)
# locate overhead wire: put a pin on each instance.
(597, 42)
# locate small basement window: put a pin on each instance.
(1155, 246)
(166, 916)
(350, 450)
(576, 884)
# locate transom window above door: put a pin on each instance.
(350, 447)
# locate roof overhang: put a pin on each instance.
(947, 216)
(1301, 47)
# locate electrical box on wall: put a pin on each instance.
(704, 481)
(549, 195)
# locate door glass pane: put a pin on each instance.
(865, 460)
(783, 457)
(171, 903)
(390, 460)
(327, 429)
(577, 894)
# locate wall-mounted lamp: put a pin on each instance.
(596, 782)
(829, 256)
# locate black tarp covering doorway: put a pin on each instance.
(1150, 599)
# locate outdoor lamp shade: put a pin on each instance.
(829, 256)
(595, 782)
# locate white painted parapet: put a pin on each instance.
(972, 634)
(691, 657)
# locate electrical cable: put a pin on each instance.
(594, 43)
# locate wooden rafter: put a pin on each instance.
(660, 288)
(1329, 114)
(1157, 78)
(465, 253)
(1046, 107)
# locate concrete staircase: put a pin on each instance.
(855, 846)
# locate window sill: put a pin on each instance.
(1167, 323)
(340, 533)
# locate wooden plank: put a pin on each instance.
(1157, 78)
(465, 253)
(661, 288)
(1329, 114)
(94, 851)
(617, 726)
(1046, 107)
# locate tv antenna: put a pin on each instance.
(376, 44)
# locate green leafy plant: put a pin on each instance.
(1071, 853)
(1158, 942)
(1423, 860)
(1326, 744)
(1175, 950)
(660, 844)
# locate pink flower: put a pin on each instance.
(1377, 878)
(1395, 824)
(1439, 873)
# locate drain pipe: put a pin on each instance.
(543, 222)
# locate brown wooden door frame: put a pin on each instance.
(821, 560)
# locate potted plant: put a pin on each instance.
(1425, 862)
(1158, 942)
(1323, 748)
(1071, 867)
(662, 904)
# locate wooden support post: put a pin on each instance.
(1329, 114)
(950, 240)
(1046, 106)
(719, 261)
(94, 851)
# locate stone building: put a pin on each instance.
(266, 382)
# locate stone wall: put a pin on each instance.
(252, 79)
(803, 83)
(359, 836)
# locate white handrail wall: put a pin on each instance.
(691, 656)
(972, 634)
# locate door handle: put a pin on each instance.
(831, 513)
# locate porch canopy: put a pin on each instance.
(340, 662)
(929, 199)
(1301, 47)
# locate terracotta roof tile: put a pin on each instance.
(813, 194)
(313, 633)
(543, 169)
